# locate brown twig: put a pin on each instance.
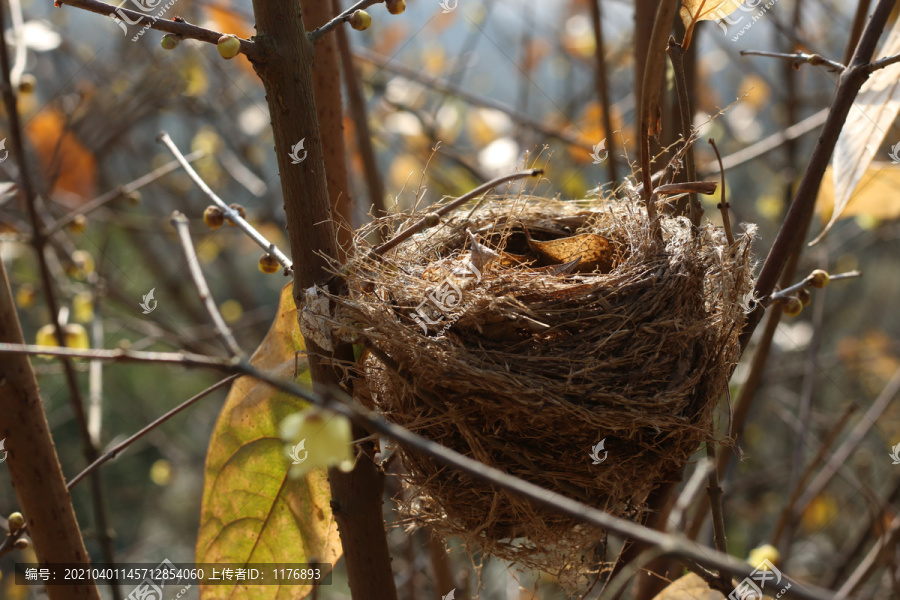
(316, 34)
(718, 517)
(118, 448)
(446, 208)
(180, 222)
(601, 83)
(799, 58)
(723, 204)
(676, 55)
(357, 108)
(650, 94)
(177, 27)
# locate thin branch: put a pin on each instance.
(180, 222)
(718, 516)
(231, 213)
(884, 62)
(768, 144)
(870, 562)
(124, 355)
(316, 34)
(601, 82)
(788, 291)
(799, 58)
(425, 222)
(118, 448)
(723, 204)
(121, 191)
(688, 493)
(178, 27)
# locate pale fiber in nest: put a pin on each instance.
(536, 368)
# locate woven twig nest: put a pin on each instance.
(526, 366)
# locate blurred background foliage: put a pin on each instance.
(93, 100)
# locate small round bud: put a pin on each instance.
(134, 197)
(240, 210)
(792, 306)
(22, 544)
(396, 7)
(76, 336)
(268, 264)
(16, 522)
(213, 217)
(229, 46)
(819, 278)
(360, 20)
(82, 264)
(804, 296)
(170, 42)
(432, 219)
(27, 83)
(78, 224)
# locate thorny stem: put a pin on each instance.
(233, 215)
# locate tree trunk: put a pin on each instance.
(285, 70)
(32, 461)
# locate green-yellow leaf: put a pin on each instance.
(252, 512)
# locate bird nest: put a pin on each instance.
(565, 343)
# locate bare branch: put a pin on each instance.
(180, 222)
(316, 34)
(231, 213)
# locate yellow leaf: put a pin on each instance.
(874, 111)
(875, 195)
(707, 10)
(252, 511)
